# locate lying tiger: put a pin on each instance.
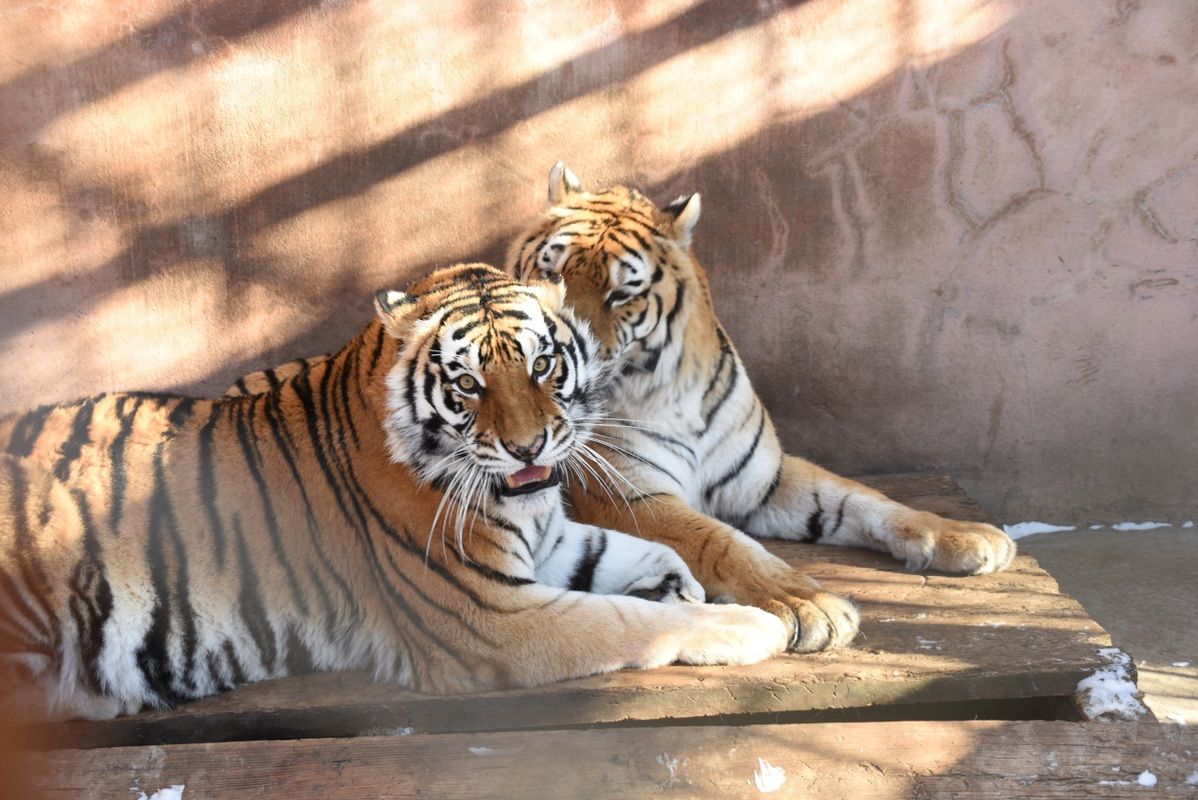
(698, 439)
(393, 507)
(699, 461)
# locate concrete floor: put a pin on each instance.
(1142, 586)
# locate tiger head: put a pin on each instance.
(625, 262)
(494, 386)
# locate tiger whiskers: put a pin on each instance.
(478, 480)
(457, 498)
(594, 462)
(457, 458)
(623, 422)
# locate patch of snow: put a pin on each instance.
(1110, 693)
(1139, 526)
(404, 731)
(927, 644)
(1181, 663)
(169, 793)
(482, 751)
(1114, 783)
(1146, 779)
(1177, 717)
(1189, 523)
(1021, 529)
(671, 765)
(767, 777)
(1193, 779)
(1097, 527)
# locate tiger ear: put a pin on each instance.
(550, 290)
(393, 310)
(562, 183)
(684, 215)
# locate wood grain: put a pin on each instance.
(932, 638)
(978, 759)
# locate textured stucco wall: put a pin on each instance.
(958, 235)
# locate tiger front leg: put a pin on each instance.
(812, 504)
(592, 559)
(735, 568)
(538, 634)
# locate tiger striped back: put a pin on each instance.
(265, 380)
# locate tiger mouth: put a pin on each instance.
(529, 480)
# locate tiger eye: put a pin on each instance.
(466, 383)
(539, 365)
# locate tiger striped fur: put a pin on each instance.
(392, 507)
(265, 380)
(689, 431)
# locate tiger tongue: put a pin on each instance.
(526, 476)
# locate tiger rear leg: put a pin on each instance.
(601, 561)
(733, 567)
(814, 505)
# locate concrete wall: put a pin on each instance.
(958, 235)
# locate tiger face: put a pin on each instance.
(624, 260)
(495, 386)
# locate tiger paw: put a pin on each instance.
(821, 621)
(815, 620)
(928, 541)
(667, 579)
(729, 634)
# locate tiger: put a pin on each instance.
(395, 507)
(688, 430)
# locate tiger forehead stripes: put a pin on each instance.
(157, 548)
(614, 250)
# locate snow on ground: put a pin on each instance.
(1146, 779)
(767, 777)
(169, 793)
(1021, 529)
(1110, 693)
(1017, 530)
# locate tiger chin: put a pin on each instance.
(393, 507)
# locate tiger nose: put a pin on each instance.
(525, 453)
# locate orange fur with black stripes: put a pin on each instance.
(155, 549)
(691, 434)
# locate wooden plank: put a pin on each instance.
(923, 639)
(979, 759)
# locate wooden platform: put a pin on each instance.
(1001, 647)
(875, 760)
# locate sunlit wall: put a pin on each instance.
(955, 235)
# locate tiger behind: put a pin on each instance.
(393, 507)
(691, 433)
